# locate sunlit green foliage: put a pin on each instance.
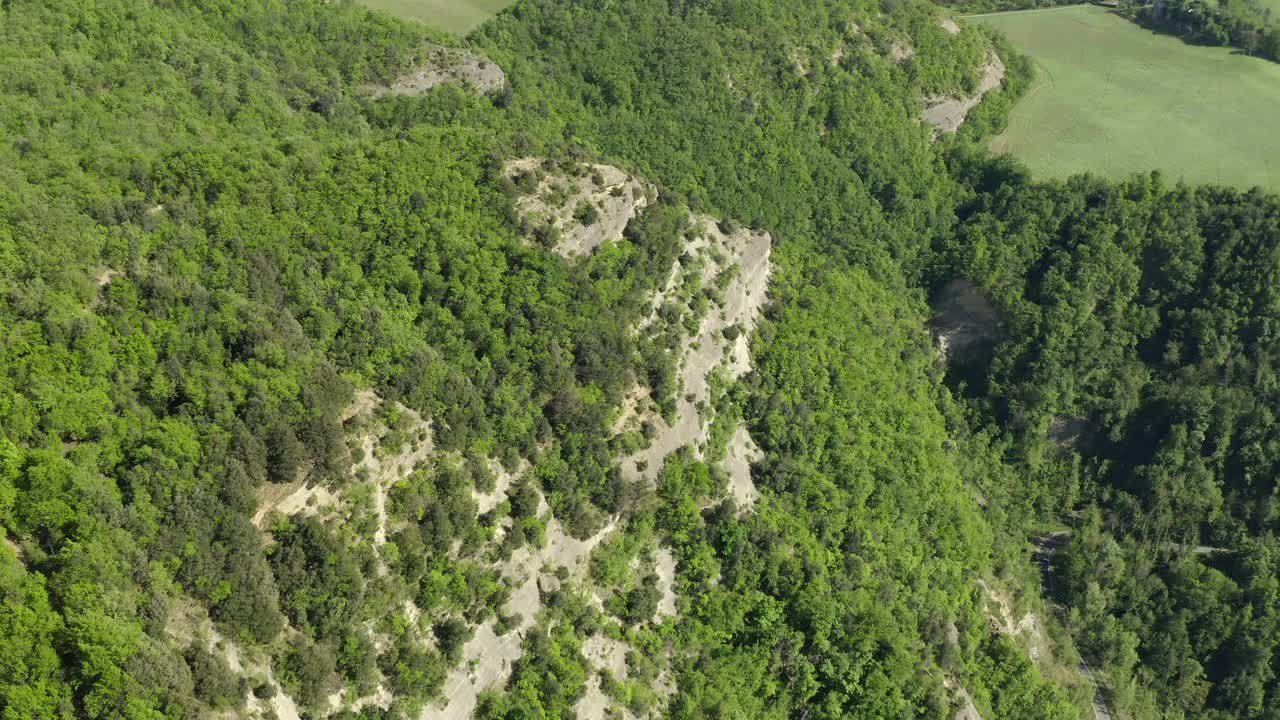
(1141, 313)
(210, 236)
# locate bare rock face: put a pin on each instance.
(1073, 431)
(723, 260)
(964, 321)
(720, 344)
(574, 213)
(488, 658)
(448, 65)
(742, 452)
(946, 114)
(967, 710)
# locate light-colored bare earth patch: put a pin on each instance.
(742, 452)
(615, 196)
(949, 25)
(594, 704)
(967, 710)
(964, 320)
(188, 621)
(501, 486)
(946, 114)
(364, 402)
(447, 65)
(382, 469)
(637, 406)
(105, 276)
(381, 697)
(377, 468)
(292, 499)
(746, 254)
(666, 572)
(900, 52)
(493, 656)
(606, 653)
(601, 653)
(282, 706)
(1027, 629)
(488, 657)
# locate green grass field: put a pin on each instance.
(456, 16)
(1113, 98)
(1274, 5)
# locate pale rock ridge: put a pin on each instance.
(447, 65)
(947, 113)
(613, 196)
(745, 254)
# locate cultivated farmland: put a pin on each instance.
(1113, 98)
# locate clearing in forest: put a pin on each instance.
(456, 16)
(1113, 98)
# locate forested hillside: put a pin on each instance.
(1136, 373)
(319, 373)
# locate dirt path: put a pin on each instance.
(1100, 710)
(1196, 549)
(1046, 546)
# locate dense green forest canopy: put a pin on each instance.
(1141, 314)
(231, 271)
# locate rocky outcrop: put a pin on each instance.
(946, 113)
(447, 65)
(720, 343)
(964, 322)
(574, 212)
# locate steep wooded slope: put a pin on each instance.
(296, 413)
